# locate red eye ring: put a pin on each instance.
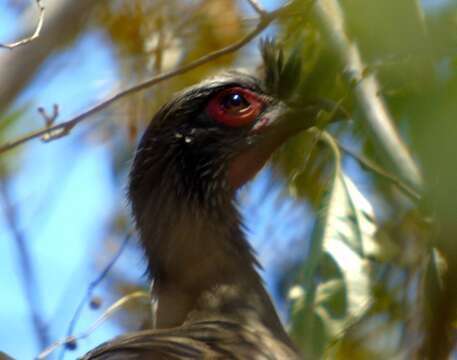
(245, 108)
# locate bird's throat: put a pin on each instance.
(191, 254)
(251, 160)
(204, 269)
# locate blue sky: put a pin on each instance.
(64, 194)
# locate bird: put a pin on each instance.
(198, 150)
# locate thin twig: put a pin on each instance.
(378, 170)
(368, 164)
(257, 7)
(366, 90)
(91, 288)
(29, 280)
(34, 36)
(105, 316)
(67, 126)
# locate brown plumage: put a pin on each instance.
(198, 150)
(210, 339)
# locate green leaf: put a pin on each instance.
(7, 124)
(334, 287)
(9, 120)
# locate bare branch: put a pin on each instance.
(65, 127)
(105, 316)
(49, 121)
(91, 288)
(366, 89)
(29, 281)
(36, 33)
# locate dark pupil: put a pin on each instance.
(234, 102)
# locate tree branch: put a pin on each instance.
(366, 89)
(105, 316)
(59, 130)
(91, 288)
(36, 33)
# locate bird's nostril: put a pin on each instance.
(264, 121)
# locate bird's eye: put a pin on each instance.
(235, 103)
(235, 107)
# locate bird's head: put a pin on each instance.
(215, 136)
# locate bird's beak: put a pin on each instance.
(269, 133)
(285, 119)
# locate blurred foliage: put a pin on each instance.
(156, 36)
(9, 163)
(412, 297)
(333, 289)
(413, 54)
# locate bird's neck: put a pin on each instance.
(202, 266)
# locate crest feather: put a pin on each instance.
(282, 75)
